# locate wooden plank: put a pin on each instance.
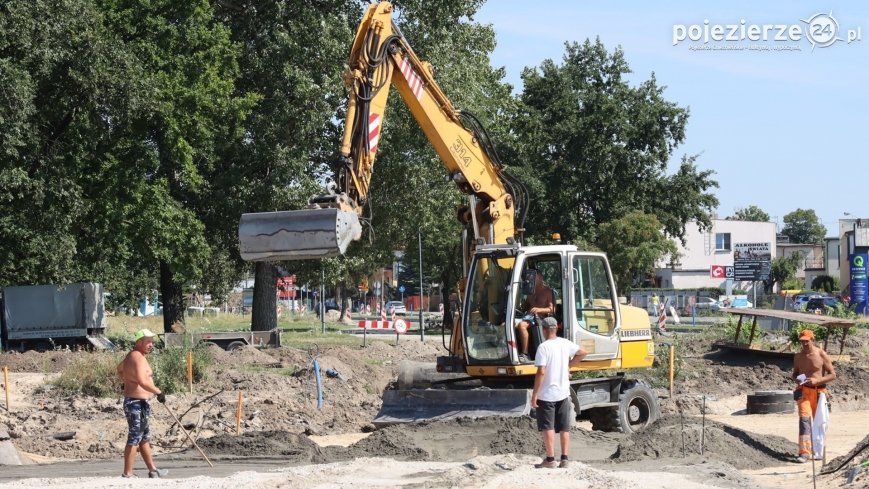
(819, 319)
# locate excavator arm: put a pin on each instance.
(381, 57)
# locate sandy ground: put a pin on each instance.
(489, 471)
(288, 443)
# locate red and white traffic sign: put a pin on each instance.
(400, 326)
(716, 271)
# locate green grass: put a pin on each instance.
(94, 374)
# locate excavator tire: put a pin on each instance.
(638, 408)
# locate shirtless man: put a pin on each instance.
(539, 303)
(813, 363)
(138, 389)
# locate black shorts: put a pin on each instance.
(555, 415)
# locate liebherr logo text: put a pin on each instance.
(821, 30)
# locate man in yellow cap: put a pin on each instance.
(812, 371)
(138, 389)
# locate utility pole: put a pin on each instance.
(322, 299)
(421, 323)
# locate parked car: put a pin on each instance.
(821, 303)
(741, 304)
(800, 301)
(398, 305)
(707, 304)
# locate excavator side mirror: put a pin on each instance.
(529, 280)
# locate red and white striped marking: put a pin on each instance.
(373, 131)
(368, 324)
(414, 80)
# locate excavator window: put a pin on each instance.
(593, 295)
(489, 284)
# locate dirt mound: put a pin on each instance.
(33, 361)
(849, 467)
(672, 437)
(463, 438)
(245, 355)
(296, 448)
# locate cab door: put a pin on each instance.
(594, 315)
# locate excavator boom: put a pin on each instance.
(381, 57)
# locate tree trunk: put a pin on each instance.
(264, 316)
(173, 298)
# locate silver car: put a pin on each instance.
(707, 304)
(800, 301)
(398, 306)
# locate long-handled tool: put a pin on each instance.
(188, 435)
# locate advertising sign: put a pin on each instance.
(859, 265)
(752, 261)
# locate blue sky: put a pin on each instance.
(781, 129)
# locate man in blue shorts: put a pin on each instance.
(551, 394)
(138, 389)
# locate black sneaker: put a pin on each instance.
(156, 474)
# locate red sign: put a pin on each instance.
(717, 271)
(286, 287)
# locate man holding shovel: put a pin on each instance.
(812, 371)
(138, 389)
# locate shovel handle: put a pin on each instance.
(188, 435)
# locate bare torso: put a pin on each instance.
(134, 370)
(540, 302)
(815, 365)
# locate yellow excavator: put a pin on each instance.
(481, 374)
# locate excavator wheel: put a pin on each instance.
(638, 408)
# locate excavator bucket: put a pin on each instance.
(297, 235)
(409, 406)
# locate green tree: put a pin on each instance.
(69, 90)
(409, 190)
(826, 283)
(193, 113)
(803, 226)
(600, 147)
(782, 269)
(751, 213)
(292, 55)
(634, 243)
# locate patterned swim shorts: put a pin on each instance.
(137, 412)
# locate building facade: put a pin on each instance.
(704, 251)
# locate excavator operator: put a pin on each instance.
(540, 303)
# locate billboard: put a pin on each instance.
(859, 265)
(752, 261)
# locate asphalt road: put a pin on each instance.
(179, 465)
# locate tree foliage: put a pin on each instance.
(134, 134)
(634, 243)
(599, 147)
(803, 226)
(783, 269)
(751, 213)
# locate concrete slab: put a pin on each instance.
(8, 453)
